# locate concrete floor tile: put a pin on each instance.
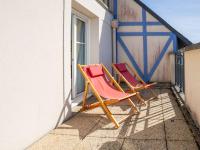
(146, 129)
(177, 130)
(166, 93)
(146, 94)
(170, 102)
(151, 113)
(152, 104)
(105, 128)
(77, 126)
(56, 142)
(171, 111)
(182, 145)
(153, 110)
(93, 143)
(130, 144)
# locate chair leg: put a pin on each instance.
(109, 115)
(85, 96)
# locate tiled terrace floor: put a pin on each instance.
(159, 126)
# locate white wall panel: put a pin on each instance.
(31, 66)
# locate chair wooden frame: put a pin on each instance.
(131, 87)
(104, 103)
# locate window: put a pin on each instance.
(107, 4)
(79, 52)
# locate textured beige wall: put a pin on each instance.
(130, 11)
(192, 82)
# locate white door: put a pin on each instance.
(79, 53)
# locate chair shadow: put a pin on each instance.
(74, 126)
(81, 124)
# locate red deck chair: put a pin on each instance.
(134, 82)
(105, 89)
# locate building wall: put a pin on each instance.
(192, 83)
(144, 42)
(35, 52)
(100, 40)
(31, 66)
(105, 46)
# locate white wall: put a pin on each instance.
(100, 45)
(105, 44)
(34, 49)
(66, 110)
(31, 69)
(192, 83)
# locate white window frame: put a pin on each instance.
(76, 99)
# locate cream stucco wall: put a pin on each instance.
(35, 64)
(130, 11)
(192, 83)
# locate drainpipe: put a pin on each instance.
(114, 41)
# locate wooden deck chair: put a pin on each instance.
(105, 89)
(134, 82)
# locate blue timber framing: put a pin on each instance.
(147, 72)
(139, 23)
(115, 16)
(144, 34)
(115, 9)
(145, 58)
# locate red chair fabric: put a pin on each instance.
(95, 71)
(127, 75)
(121, 67)
(101, 83)
(130, 78)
